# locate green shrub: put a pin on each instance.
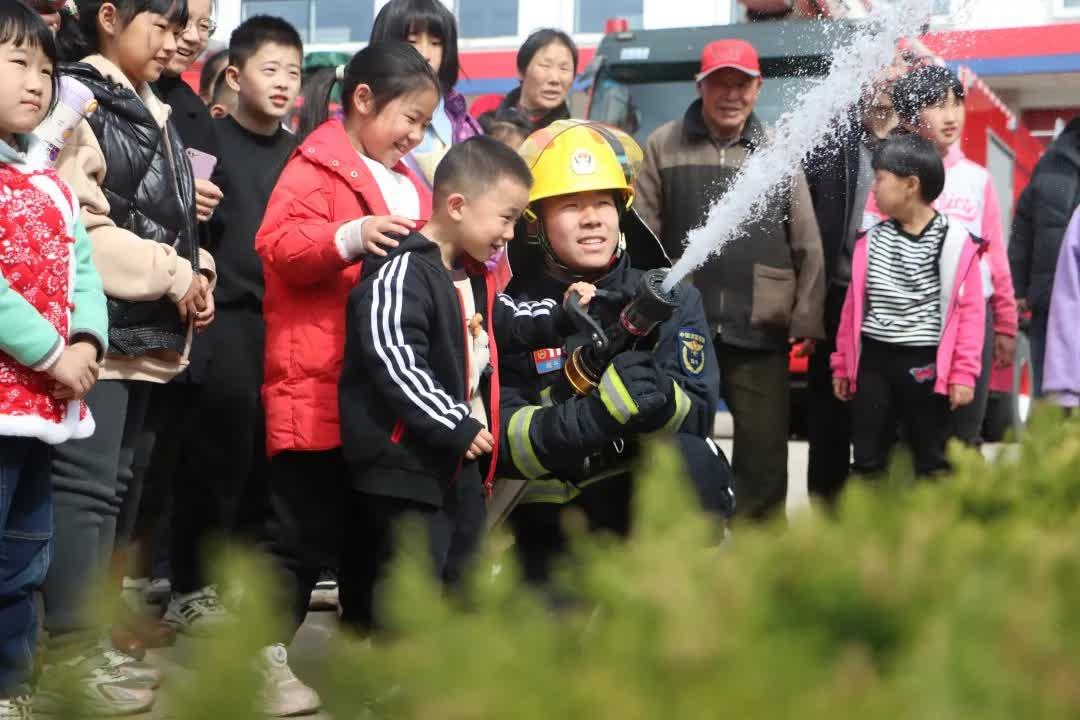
(947, 599)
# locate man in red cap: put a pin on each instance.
(766, 290)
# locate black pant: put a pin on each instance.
(219, 488)
(90, 480)
(319, 522)
(967, 422)
(896, 385)
(829, 425)
(147, 511)
(757, 390)
(539, 539)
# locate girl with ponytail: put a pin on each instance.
(344, 193)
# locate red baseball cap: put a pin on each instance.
(737, 54)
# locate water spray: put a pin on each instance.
(854, 67)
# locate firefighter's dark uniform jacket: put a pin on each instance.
(563, 448)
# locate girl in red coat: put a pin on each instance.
(343, 190)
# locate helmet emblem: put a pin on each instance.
(582, 162)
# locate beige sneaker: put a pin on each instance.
(282, 694)
(90, 685)
(141, 674)
(17, 708)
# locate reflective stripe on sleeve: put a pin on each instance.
(683, 405)
(616, 398)
(521, 449)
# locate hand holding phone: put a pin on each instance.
(202, 164)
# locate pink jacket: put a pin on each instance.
(963, 307)
(969, 197)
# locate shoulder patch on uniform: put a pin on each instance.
(692, 351)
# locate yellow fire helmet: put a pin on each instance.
(572, 156)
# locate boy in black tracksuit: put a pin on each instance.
(419, 393)
(219, 489)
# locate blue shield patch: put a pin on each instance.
(692, 351)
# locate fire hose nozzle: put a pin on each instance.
(650, 307)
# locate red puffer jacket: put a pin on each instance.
(324, 185)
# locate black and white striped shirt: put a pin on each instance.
(903, 284)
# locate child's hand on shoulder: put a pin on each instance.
(75, 372)
(373, 233)
(587, 291)
(960, 395)
(482, 444)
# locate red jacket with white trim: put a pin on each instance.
(324, 185)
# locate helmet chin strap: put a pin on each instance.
(553, 263)
(559, 270)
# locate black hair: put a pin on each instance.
(315, 97)
(476, 164)
(220, 88)
(913, 156)
(399, 18)
(540, 40)
(258, 30)
(510, 116)
(80, 38)
(23, 27)
(390, 68)
(210, 75)
(924, 87)
(504, 123)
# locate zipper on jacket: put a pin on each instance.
(468, 367)
(192, 234)
(955, 304)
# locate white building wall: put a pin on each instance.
(977, 14)
(535, 14)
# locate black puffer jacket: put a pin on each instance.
(151, 193)
(1042, 214)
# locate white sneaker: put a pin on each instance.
(141, 674)
(325, 595)
(159, 591)
(91, 686)
(200, 613)
(18, 708)
(282, 694)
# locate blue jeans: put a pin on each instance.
(26, 529)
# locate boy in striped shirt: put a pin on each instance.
(909, 347)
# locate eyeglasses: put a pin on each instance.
(205, 27)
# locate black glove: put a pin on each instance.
(633, 388)
(655, 421)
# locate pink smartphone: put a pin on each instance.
(202, 164)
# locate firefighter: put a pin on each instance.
(580, 225)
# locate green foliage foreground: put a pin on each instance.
(959, 598)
